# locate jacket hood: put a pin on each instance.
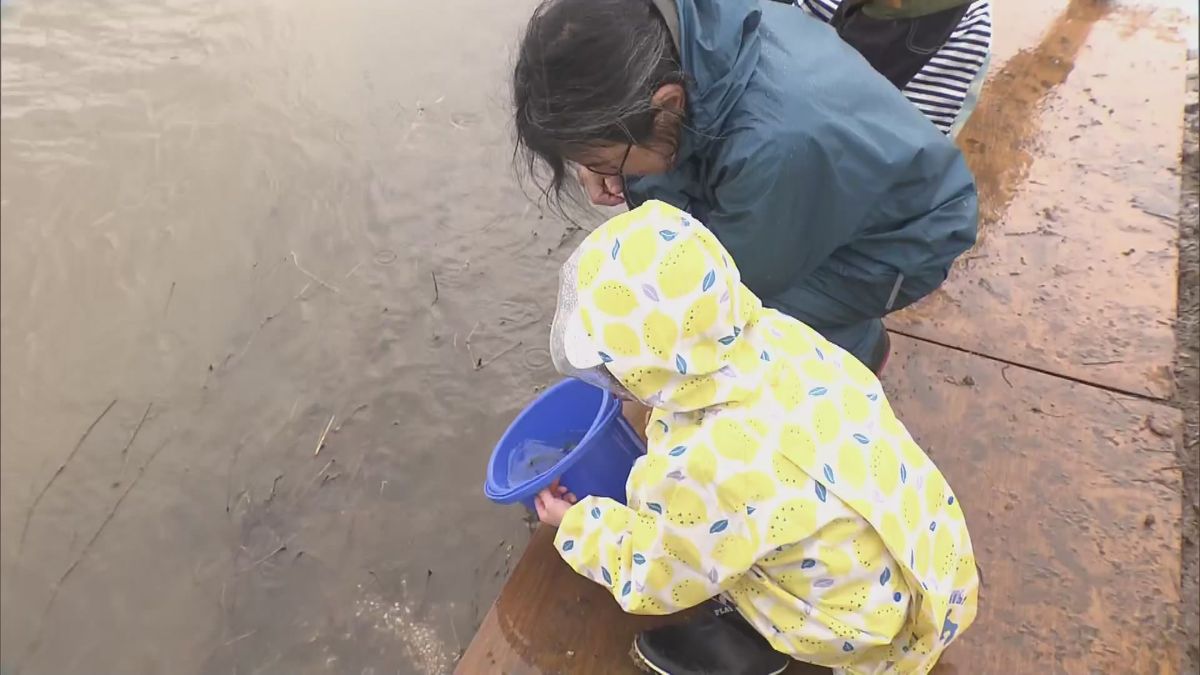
(661, 303)
(822, 175)
(718, 43)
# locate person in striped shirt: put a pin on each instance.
(935, 51)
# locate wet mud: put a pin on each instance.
(999, 139)
(1187, 370)
(1076, 153)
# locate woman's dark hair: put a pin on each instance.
(584, 77)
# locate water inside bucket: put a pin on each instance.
(533, 457)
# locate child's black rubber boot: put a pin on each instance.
(709, 645)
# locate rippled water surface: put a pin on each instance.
(238, 220)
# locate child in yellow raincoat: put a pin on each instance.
(777, 477)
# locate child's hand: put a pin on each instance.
(552, 504)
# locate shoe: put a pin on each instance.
(708, 645)
(879, 358)
(726, 612)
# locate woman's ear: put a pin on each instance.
(670, 97)
(670, 101)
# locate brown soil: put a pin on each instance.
(1188, 371)
(996, 140)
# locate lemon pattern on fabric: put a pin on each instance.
(776, 473)
(615, 299)
(683, 267)
(660, 334)
(621, 340)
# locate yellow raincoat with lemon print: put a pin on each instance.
(776, 472)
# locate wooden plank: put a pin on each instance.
(1075, 146)
(1072, 497)
(550, 620)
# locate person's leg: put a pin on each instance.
(866, 340)
(716, 641)
(845, 311)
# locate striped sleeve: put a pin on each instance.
(942, 87)
(822, 9)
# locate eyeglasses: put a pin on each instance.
(620, 168)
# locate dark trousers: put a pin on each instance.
(897, 48)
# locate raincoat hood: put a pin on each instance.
(654, 299)
(718, 42)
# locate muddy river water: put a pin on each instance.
(228, 218)
(232, 230)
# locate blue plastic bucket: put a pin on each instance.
(573, 431)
